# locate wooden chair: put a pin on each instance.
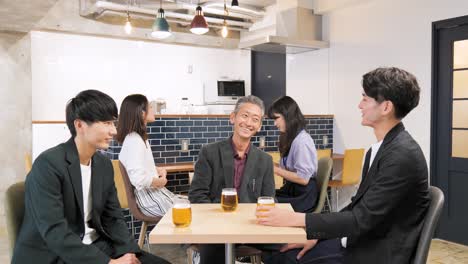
(324, 168)
(351, 174)
(119, 184)
(27, 162)
(137, 214)
(276, 159)
(321, 153)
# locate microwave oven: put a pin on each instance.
(231, 90)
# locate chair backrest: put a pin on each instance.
(322, 153)
(131, 198)
(352, 166)
(276, 157)
(430, 223)
(27, 162)
(119, 184)
(324, 168)
(14, 212)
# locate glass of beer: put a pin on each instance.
(265, 201)
(181, 212)
(229, 199)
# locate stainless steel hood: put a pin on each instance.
(278, 44)
(295, 30)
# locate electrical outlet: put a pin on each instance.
(325, 140)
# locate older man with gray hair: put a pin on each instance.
(233, 163)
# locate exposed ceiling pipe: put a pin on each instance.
(104, 7)
(250, 10)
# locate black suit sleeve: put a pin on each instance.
(114, 224)
(391, 184)
(45, 200)
(202, 179)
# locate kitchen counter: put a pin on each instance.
(189, 166)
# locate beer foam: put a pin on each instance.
(265, 201)
(181, 206)
(229, 193)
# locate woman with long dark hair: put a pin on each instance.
(298, 165)
(152, 197)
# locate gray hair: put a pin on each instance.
(252, 99)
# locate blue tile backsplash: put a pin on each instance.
(165, 135)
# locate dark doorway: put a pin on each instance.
(268, 76)
(449, 128)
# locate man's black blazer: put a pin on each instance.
(214, 171)
(53, 225)
(385, 218)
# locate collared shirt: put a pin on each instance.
(239, 165)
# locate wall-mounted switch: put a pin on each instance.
(262, 142)
(184, 143)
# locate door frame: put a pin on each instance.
(436, 26)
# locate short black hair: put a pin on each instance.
(294, 119)
(90, 106)
(395, 85)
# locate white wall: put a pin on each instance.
(307, 81)
(377, 33)
(382, 33)
(65, 64)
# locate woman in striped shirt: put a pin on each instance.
(136, 155)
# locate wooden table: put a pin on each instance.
(210, 225)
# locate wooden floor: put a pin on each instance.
(442, 252)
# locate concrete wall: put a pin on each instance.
(15, 116)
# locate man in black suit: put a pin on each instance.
(233, 163)
(384, 220)
(72, 214)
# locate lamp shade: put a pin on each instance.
(161, 28)
(234, 3)
(199, 25)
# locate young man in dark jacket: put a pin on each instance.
(384, 220)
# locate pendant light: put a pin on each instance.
(128, 24)
(161, 29)
(234, 3)
(199, 25)
(224, 31)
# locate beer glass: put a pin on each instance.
(181, 212)
(229, 199)
(265, 201)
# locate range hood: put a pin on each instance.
(294, 30)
